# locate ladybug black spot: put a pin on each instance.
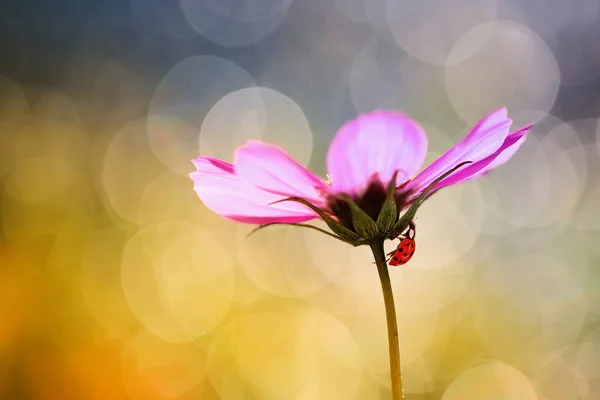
(395, 258)
(401, 250)
(412, 253)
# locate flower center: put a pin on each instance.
(370, 201)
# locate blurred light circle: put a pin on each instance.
(321, 29)
(257, 113)
(588, 358)
(128, 167)
(515, 68)
(428, 29)
(377, 16)
(167, 197)
(247, 293)
(586, 216)
(492, 380)
(182, 100)
(197, 278)
(100, 282)
(585, 246)
(233, 120)
(338, 355)
(416, 334)
(286, 125)
(177, 279)
(58, 130)
(355, 288)
(167, 371)
(57, 109)
(357, 279)
(438, 143)
(313, 351)
(547, 295)
(528, 175)
(270, 340)
(301, 74)
(249, 10)
(570, 29)
(567, 159)
(598, 135)
(554, 180)
(431, 291)
(355, 10)
(221, 228)
(168, 138)
(418, 378)
(327, 254)
(40, 179)
(276, 260)
(377, 79)
(216, 21)
(449, 226)
(559, 379)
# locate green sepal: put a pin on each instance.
(362, 223)
(335, 226)
(409, 215)
(389, 211)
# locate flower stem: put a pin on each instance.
(390, 314)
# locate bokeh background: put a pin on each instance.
(117, 283)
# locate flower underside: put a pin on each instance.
(371, 202)
(374, 215)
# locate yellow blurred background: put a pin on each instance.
(117, 283)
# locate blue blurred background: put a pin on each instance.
(117, 283)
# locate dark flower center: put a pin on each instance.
(370, 202)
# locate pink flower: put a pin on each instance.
(373, 162)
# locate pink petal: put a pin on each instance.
(482, 141)
(510, 146)
(232, 197)
(380, 142)
(271, 169)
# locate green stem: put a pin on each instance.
(390, 314)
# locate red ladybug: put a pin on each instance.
(406, 247)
